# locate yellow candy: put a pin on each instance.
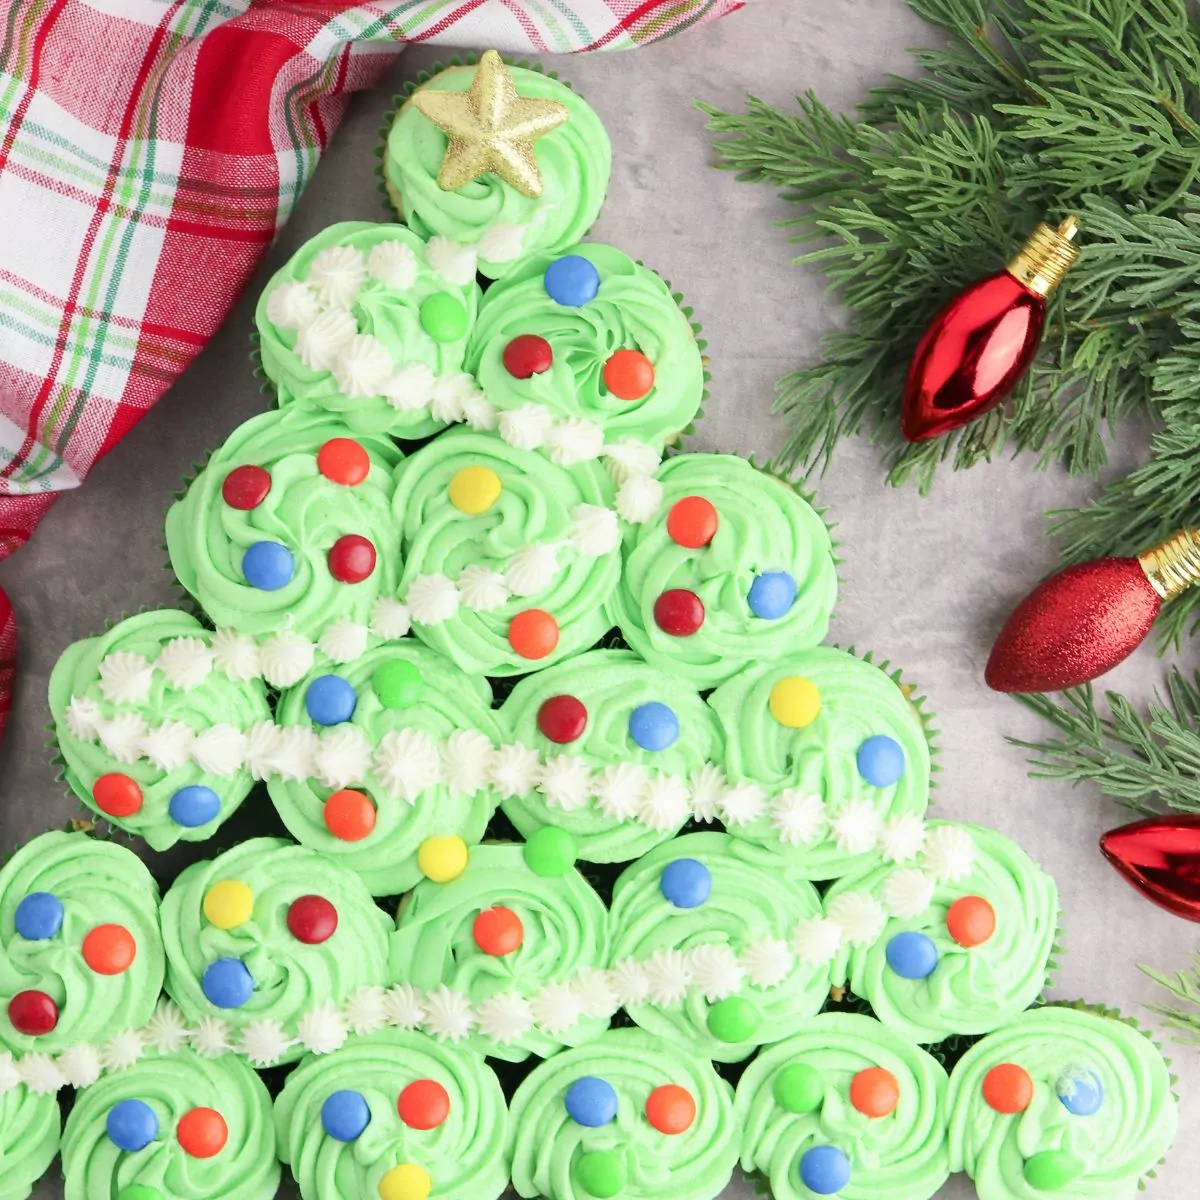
(405, 1182)
(795, 701)
(442, 858)
(475, 489)
(228, 903)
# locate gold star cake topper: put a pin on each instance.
(490, 128)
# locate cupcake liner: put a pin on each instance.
(675, 444)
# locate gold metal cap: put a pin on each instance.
(1174, 566)
(1048, 254)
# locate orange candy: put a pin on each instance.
(533, 633)
(117, 795)
(343, 461)
(971, 920)
(109, 949)
(628, 374)
(349, 815)
(202, 1132)
(671, 1109)
(874, 1092)
(692, 522)
(424, 1104)
(498, 931)
(1007, 1088)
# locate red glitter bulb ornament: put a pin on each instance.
(1161, 859)
(980, 344)
(1082, 621)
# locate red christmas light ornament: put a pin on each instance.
(1082, 621)
(980, 344)
(1160, 857)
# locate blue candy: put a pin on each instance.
(1080, 1091)
(572, 280)
(194, 805)
(653, 726)
(824, 1170)
(131, 1125)
(268, 566)
(591, 1102)
(912, 955)
(772, 594)
(686, 883)
(39, 916)
(345, 1115)
(227, 983)
(880, 760)
(330, 700)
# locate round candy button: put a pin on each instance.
(824, 1170)
(795, 701)
(686, 883)
(799, 1088)
(202, 1132)
(424, 1104)
(344, 1115)
(228, 904)
(653, 726)
(880, 760)
(351, 558)
(571, 280)
(562, 719)
(32, 1013)
(911, 955)
(442, 858)
(628, 374)
(117, 795)
(602, 1173)
(39, 916)
(349, 815)
(772, 595)
(971, 920)
(330, 700)
(1007, 1088)
(245, 487)
(527, 355)
(533, 633)
(131, 1125)
(498, 931)
(875, 1092)
(733, 1020)
(227, 983)
(344, 461)
(671, 1109)
(312, 920)
(692, 522)
(194, 805)
(679, 612)
(591, 1101)
(405, 1182)
(443, 317)
(398, 684)
(549, 852)
(109, 949)
(268, 566)
(1079, 1091)
(1052, 1170)
(474, 489)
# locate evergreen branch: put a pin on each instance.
(1185, 987)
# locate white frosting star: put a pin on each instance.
(185, 662)
(40, 1074)
(798, 817)
(708, 785)
(767, 964)
(901, 838)
(481, 588)
(629, 982)
(716, 970)
(84, 718)
(390, 618)
(366, 1010)
(285, 658)
(664, 804)
(210, 1037)
(168, 746)
(595, 530)
(404, 1007)
(816, 940)
(855, 827)
(565, 781)
(125, 677)
(467, 762)
(453, 261)
(639, 498)
(122, 736)
(556, 1008)
(515, 770)
(236, 654)
(627, 458)
(80, 1067)
(409, 388)
(322, 1030)
(450, 396)
(264, 1042)
(166, 1031)
(742, 803)
(344, 641)
(907, 892)
(448, 1015)
(504, 1017)
(668, 975)
(526, 427)
(320, 341)
(394, 264)
(949, 852)
(292, 304)
(342, 757)
(501, 242)
(220, 750)
(574, 440)
(532, 569)
(406, 763)
(619, 789)
(336, 273)
(292, 757)
(432, 599)
(859, 915)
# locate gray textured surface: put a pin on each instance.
(925, 582)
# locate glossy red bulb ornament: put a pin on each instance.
(980, 344)
(1161, 859)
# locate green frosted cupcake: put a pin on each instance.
(521, 937)
(956, 940)
(509, 559)
(363, 322)
(380, 756)
(289, 527)
(266, 942)
(81, 958)
(827, 760)
(732, 568)
(606, 748)
(172, 1127)
(152, 728)
(488, 217)
(30, 1125)
(629, 1115)
(1069, 1102)
(845, 1107)
(702, 929)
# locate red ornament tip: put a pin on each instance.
(1160, 858)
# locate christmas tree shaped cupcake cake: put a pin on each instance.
(30, 1126)
(395, 1115)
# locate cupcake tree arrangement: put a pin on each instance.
(569, 780)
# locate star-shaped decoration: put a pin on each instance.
(490, 128)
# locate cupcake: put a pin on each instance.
(509, 559)
(266, 941)
(954, 939)
(488, 220)
(376, 758)
(289, 527)
(30, 1124)
(81, 957)
(172, 1127)
(848, 1108)
(827, 760)
(394, 1114)
(511, 949)
(630, 1115)
(702, 929)
(151, 727)
(588, 344)
(1073, 1102)
(606, 748)
(364, 322)
(732, 568)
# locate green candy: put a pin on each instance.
(1052, 1170)
(602, 1174)
(444, 318)
(734, 1019)
(550, 851)
(398, 684)
(799, 1089)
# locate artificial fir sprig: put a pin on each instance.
(1185, 987)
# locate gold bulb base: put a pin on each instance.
(1048, 254)
(1174, 566)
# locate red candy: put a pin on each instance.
(628, 374)
(1007, 1088)
(32, 1013)
(312, 920)
(202, 1132)
(349, 815)
(562, 719)
(246, 487)
(117, 795)
(527, 355)
(671, 1109)
(692, 522)
(424, 1104)
(344, 461)
(498, 931)
(351, 558)
(971, 920)
(875, 1092)
(533, 633)
(679, 612)
(109, 949)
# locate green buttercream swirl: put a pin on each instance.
(392, 317)
(693, 1165)
(565, 931)
(534, 506)
(633, 310)
(386, 859)
(29, 1133)
(902, 1155)
(1112, 1148)
(575, 161)
(304, 511)
(972, 990)
(218, 700)
(751, 902)
(763, 525)
(466, 1155)
(290, 976)
(858, 701)
(97, 883)
(610, 684)
(172, 1085)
